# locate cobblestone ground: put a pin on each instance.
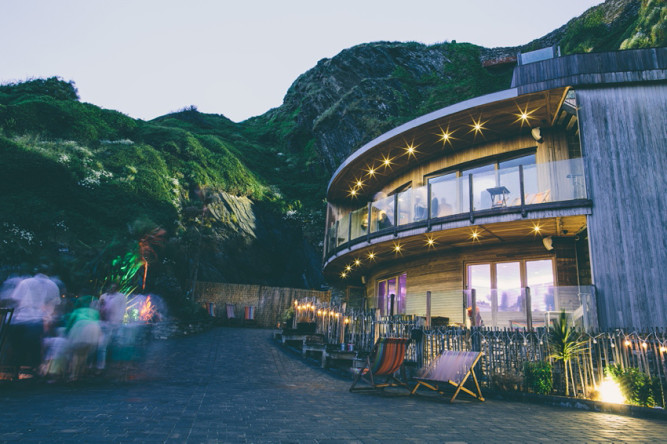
(235, 385)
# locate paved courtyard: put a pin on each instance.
(236, 385)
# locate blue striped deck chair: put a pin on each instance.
(451, 368)
(249, 313)
(210, 308)
(230, 311)
(384, 362)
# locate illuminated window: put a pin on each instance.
(391, 294)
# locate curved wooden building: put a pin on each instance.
(516, 205)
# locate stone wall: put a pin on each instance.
(269, 302)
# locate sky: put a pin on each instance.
(146, 58)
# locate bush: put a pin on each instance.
(637, 387)
(537, 377)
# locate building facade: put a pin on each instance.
(505, 209)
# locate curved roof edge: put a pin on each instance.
(616, 67)
(421, 120)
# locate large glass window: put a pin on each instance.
(391, 295)
(500, 289)
(445, 195)
(495, 184)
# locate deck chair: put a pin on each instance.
(249, 315)
(5, 319)
(385, 360)
(451, 368)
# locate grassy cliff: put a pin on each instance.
(238, 202)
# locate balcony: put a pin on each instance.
(448, 198)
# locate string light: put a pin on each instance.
(371, 256)
(357, 262)
(348, 268)
(397, 248)
(430, 242)
(474, 235)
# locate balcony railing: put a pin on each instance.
(505, 189)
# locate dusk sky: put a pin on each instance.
(147, 58)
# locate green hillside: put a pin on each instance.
(89, 193)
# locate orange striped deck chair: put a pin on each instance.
(451, 368)
(384, 362)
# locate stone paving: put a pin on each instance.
(236, 385)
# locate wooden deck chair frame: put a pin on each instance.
(6, 315)
(434, 384)
(385, 361)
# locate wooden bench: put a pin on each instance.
(451, 368)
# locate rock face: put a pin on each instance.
(348, 100)
(247, 242)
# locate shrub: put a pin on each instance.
(637, 387)
(537, 377)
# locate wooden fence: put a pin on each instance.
(269, 302)
(505, 352)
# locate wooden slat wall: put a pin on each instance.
(591, 69)
(624, 143)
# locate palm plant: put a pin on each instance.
(565, 343)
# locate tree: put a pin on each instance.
(565, 343)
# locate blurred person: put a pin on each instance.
(83, 336)
(34, 300)
(113, 305)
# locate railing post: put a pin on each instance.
(396, 214)
(473, 306)
(368, 217)
(522, 191)
(529, 312)
(428, 206)
(428, 310)
(471, 199)
(349, 231)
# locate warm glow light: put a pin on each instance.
(644, 345)
(627, 343)
(347, 320)
(611, 392)
(397, 248)
(353, 192)
(411, 150)
(430, 242)
(386, 161)
(370, 171)
(357, 262)
(524, 115)
(474, 235)
(477, 126)
(663, 349)
(371, 256)
(359, 183)
(319, 312)
(348, 268)
(445, 137)
(537, 228)
(343, 275)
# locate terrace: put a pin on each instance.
(518, 187)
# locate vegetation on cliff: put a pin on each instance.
(239, 202)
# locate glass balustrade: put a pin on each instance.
(382, 214)
(450, 195)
